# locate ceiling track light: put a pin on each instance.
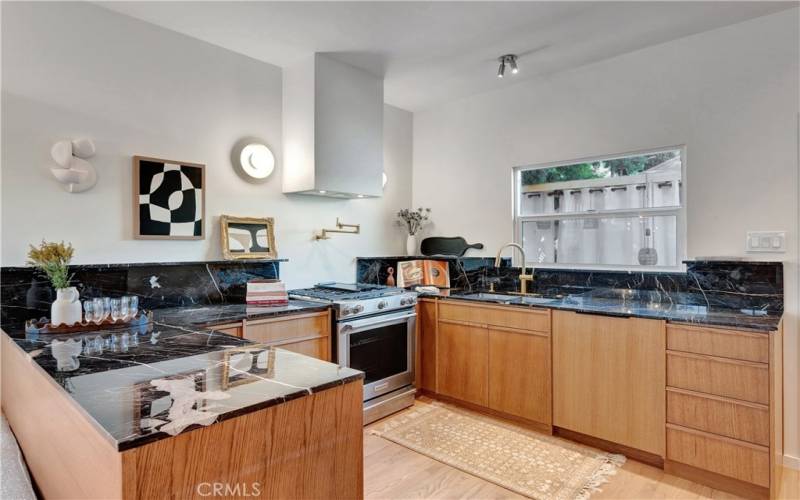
(509, 60)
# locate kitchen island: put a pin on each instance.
(158, 411)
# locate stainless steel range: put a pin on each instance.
(375, 328)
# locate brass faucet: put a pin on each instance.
(523, 278)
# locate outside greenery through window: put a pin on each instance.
(623, 211)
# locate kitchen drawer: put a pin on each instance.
(316, 348)
(717, 415)
(503, 316)
(743, 380)
(288, 327)
(234, 329)
(747, 346)
(736, 459)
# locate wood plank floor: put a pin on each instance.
(394, 472)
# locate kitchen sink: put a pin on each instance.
(492, 297)
(534, 301)
(501, 298)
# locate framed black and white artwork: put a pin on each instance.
(168, 199)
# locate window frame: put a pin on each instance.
(679, 212)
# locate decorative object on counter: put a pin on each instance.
(169, 199)
(441, 245)
(45, 325)
(267, 292)
(53, 259)
(390, 279)
(423, 272)
(413, 220)
(73, 171)
(341, 227)
(253, 160)
(248, 237)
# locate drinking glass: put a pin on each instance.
(116, 309)
(100, 311)
(133, 305)
(125, 306)
(107, 305)
(88, 311)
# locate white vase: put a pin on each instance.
(411, 245)
(67, 308)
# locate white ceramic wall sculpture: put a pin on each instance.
(73, 171)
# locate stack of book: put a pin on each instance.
(266, 292)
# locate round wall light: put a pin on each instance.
(253, 160)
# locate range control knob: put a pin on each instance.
(358, 308)
(382, 304)
(346, 311)
(412, 300)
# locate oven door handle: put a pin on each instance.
(349, 329)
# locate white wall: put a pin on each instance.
(72, 69)
(729, 95)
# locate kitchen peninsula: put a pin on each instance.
(159, 410)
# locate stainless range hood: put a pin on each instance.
(332, 129)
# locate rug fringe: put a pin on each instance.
(612, 463)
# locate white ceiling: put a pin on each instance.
(431, 52)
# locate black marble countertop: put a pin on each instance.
(220, 314)
(626, 303)
(153, 381)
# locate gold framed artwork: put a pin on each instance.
(248, 237)
(169, 199)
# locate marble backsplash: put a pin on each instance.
(723, 284)
(465, 272)
(26, 293)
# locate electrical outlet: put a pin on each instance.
(766, 241)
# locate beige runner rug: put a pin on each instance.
(526, 462)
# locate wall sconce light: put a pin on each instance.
(253, 160)
(385, 180)
(73, 171)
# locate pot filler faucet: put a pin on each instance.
(523, 278)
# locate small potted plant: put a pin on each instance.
(413, 220)
(53, 260)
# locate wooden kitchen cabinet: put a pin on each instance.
(609, 378)
(425, 372)
(307, 333)
(477, 354)
(519, 374)
(462, 362)
(724, 415)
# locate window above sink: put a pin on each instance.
(612, 212)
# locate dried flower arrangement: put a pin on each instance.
(53, 259)
(414, 219)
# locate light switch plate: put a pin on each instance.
(766, 241)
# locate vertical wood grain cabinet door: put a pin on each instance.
(426, 345)
(609, 378)
(462, 362)
(519, 374)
